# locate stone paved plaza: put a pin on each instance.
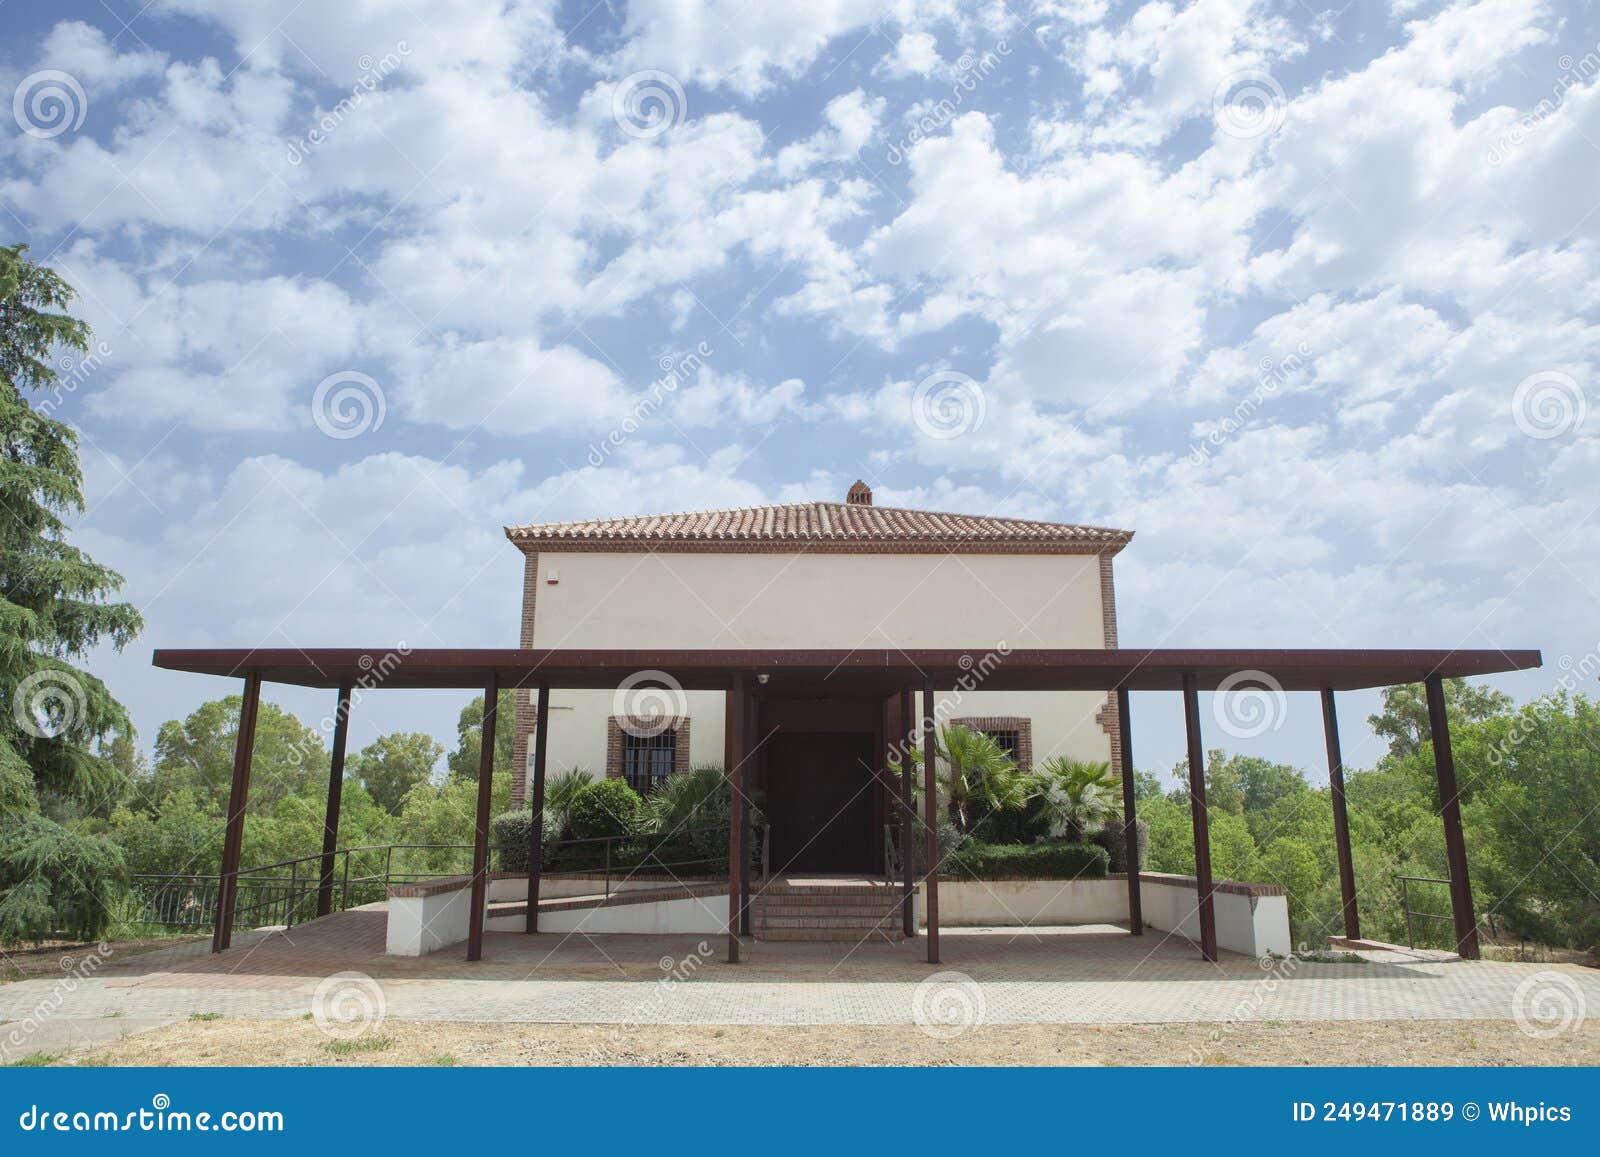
(1078, 975)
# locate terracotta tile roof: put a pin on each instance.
(835, 524)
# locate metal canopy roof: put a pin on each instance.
(843, 672)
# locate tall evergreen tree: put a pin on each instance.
(57, 722)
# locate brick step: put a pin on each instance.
(779, 888)
(831, 935)
(811, 921)
(825, 910)
(770, 895)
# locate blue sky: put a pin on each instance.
(1305, 296)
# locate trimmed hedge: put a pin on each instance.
(606, 807)
(511, 832)
(1051, 860)
(1110, 838)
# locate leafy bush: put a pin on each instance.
(511, 835)
(1018, 824)
(1111, 839)
(1052, 860)
(56, 882)
(606, 807)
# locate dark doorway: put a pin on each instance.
(820, 800)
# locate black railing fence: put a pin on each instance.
(1414, 914)
(288, 892)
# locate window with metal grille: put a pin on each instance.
(648, 759)
(1010, 741)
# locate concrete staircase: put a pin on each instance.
(824, 909)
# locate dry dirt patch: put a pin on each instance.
(297, 1042)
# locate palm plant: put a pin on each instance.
(694, 799)
(971, 769)
(559, 792)
(1078, 795)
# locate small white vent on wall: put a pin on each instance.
(551, 578)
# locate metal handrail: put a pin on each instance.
(1405, 904)
(191, 899)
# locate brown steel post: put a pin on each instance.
(737, 744)
(931, 810)
(908, 811)
(238, 797)
(330, 814)
(1202, 821)
(747, 707)
(541, 735)
(480, 831)
(1455, 845)
(1341, 817)
(1130, 816)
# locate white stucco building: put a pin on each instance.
(817, 575)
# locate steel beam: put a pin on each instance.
(480, 831)
(1202, 820)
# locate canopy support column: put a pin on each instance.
(747, 716)
(1455, 844)
(541, 737)
(1130, 815)
(908, 812)
(330, 814)
(930, 807)
(738, 752)
(1202, 820)
(238, 796)
(480, 831)
(1341, 817)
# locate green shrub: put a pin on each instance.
(1110, 838)
(1051, 860)
(1009, 825)
(511, 835)
(606, 807)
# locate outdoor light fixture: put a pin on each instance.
(762, 678)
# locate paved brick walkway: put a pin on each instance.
(1052, 975)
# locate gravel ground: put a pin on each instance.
(277, 1042)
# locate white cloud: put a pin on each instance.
(84, 52)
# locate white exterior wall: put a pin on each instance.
(417, 925)
(702, 601)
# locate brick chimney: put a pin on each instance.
(860, 494)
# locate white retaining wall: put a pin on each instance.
(419, 925)
(1251, 924)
